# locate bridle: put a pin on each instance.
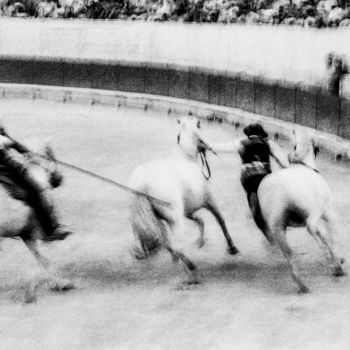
(203, 157)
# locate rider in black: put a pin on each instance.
(255, 151)
(36, 195)
(255, 154)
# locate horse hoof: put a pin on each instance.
(200, 243)
(62, 286)
(29, 298)
(303, 290)
(192, 282)
(137, 253)
(232, 250)
(67, 286)
(338, 271)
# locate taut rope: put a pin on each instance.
(105, 179)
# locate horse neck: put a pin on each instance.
(309, 160)
(188, 150)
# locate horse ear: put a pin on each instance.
(315, 147)
(49, 152)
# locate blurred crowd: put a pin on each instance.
(310, 13)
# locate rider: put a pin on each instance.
(37, 196)
(255, 151)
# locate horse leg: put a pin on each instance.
(330, 220)
(55, 283)
(200, 223)
(212, 207)
(190, 267)
(313, 227)
(33, 285)
(279, 236)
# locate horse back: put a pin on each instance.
(293, 193)
(176, 181)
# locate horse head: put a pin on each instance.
(43, 163)
(190, 137)
(305, 150)
(55, 176)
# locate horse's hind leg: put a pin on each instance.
(212, 207)
(189, 265)
(177, 255)
(279, 236)
(313, 227)
(200, 223)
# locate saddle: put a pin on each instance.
(254, 169)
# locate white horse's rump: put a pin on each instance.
(179, 181)
(17, 219)
(299, 196)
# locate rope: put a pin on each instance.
(105, 179)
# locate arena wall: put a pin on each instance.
(271, 71)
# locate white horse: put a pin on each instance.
(18, 220)
(299, 196)
(180, 181)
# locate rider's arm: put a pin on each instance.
(278, 154)
(7, 140)
(231, 146)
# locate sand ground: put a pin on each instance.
(244, 302)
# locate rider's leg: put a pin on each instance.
(38, 198)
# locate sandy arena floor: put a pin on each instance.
(244, 302)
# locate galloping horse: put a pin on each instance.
(298, 196)
(179, 181)
(17, 219)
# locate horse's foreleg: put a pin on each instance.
(279, 236)
(189, 265)
(200, 223)
(212, 207)
(34, 284)
(54, 282)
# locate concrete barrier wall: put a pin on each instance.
(275, 52)
(107, 55)
(308, 107)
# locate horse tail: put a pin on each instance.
(148, 229)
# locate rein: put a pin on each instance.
(104, 179)
(205, 165)
(303, 163)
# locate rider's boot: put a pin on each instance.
(47, 218)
